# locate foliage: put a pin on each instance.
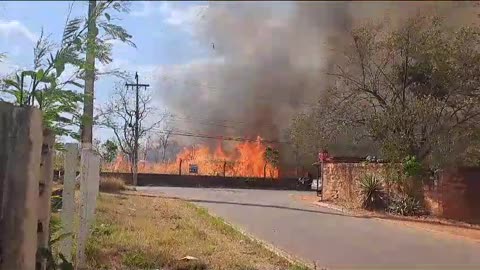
(404, 205)
(408, 89)
(44, 87)
(55, 261)
(371, 191)
(110, 149)
(111, 184)
(56, 202)
(107, 151)
(58, 159)
(411, 166)
(76, 32)
(272, 156)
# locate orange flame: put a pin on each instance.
(246, 161)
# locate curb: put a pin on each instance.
(270, 247)
(333, 207)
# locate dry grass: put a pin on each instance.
(133, 232)
(111, 184)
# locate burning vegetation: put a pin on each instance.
(248, 159)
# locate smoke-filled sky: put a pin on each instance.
(267, 61)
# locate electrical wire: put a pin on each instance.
(217, 137)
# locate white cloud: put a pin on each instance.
(7, 67)
(16, 28)
(182, 17)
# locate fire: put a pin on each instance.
(247, 160)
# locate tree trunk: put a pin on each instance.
(87, 121)
(265, 171)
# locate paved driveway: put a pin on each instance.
(328, 237)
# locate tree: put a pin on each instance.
(164, 138)
(272, 158)
(110, 149)
(43, 87)
(107, 150)
(100, 31)
(118, 114)
(412, 90)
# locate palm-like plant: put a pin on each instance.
(44, 86)
(371, 191)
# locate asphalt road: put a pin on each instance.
(328, 237)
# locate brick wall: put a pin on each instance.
(455, 195)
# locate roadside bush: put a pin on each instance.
(371, 191)
(111, 184)
(411, 166)
(405, 205)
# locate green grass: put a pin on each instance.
(133, 232)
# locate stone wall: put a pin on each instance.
(175, 180)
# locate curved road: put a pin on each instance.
(327, 237)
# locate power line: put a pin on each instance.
(218, 137)
(218, 123)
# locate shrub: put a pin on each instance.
(371, 191)
(111, 184)
(405, 205)
(56, 203)
(411, 166)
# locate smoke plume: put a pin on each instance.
(268, 61)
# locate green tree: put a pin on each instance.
(109, 151)
(43, 87)
(96, 45)
(272, 158)
(411, 90)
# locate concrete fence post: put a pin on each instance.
(68, 198)
(45, 192)
(89, 185)
(20, 150)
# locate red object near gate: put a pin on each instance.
(323, 156)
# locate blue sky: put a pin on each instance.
(162, 32)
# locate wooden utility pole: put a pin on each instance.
(136, 132)
(87, 121)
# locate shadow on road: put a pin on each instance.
(264, 205)
(378, 216)
(332, 212)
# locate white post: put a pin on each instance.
(89, 181)
(68, 198)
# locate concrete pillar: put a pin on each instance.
(20, 149)
(89, 181)
(68, 198)
(45, 192)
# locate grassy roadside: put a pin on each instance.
(133, 232)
